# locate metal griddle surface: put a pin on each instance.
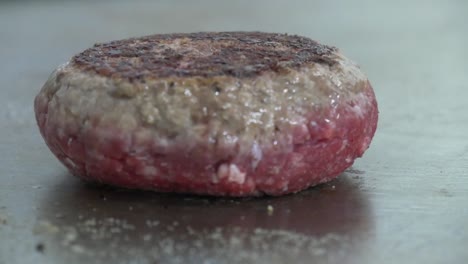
(405, 201)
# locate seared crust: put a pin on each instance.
(238, 54)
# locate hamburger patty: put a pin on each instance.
(229, 114)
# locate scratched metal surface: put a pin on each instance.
(405, 201)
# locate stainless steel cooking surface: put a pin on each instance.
(405, 201)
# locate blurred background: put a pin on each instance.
(404, 201)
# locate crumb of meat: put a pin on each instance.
(40, 247)
(46, 227)
(270, 209)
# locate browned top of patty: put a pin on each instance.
(238, 54)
